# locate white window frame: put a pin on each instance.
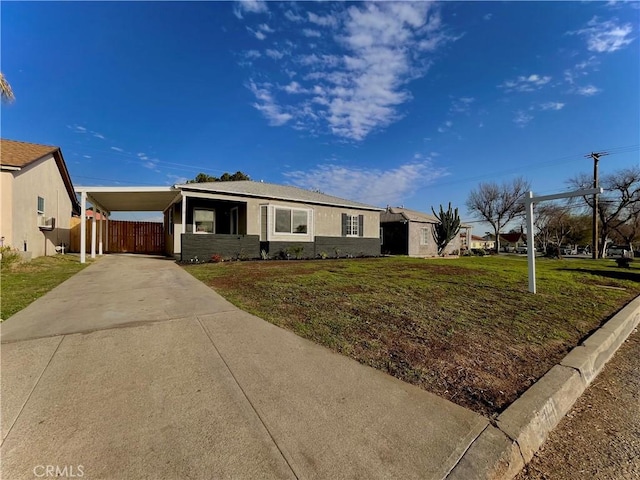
(353, 225)
(291, 210)
(40, 211)
(204, 210)
(424, 235)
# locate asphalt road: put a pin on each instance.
(600, 437)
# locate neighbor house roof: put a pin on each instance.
(15, 155)
(249, 188)
(476, 238)
(513, 237)
(398, 214)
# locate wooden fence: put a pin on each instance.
(124, 237)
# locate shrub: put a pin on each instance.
(216, 258)
(9, 256)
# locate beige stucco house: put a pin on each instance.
(246, 219)
(37, 198)
(407, 232)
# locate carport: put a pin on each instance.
(106, 200)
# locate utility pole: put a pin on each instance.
(594, 242)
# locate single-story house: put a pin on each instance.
(477, 242)
(38, 198)
(407, 232)
(510, 241)
(243, 219)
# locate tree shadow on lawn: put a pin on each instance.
(617, 274)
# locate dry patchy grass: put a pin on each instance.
(465, 329)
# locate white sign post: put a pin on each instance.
(529, 202)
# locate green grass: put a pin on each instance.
(23, 283)
(466, 329)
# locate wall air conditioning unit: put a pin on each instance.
(46, 223)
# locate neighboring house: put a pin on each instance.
(477, 242)
(509, 242)
(242, 219)
(38, 198)
(407, 232)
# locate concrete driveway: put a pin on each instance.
(134, 369)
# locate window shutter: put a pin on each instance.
(344, 224)
(360, 225)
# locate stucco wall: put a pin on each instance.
(42, 179)
(6, 217)
(327, 221)
(430, 249)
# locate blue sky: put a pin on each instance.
(406, 104)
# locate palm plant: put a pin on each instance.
(5, 89)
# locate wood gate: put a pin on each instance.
(124, 237)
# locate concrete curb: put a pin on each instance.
(501, 451)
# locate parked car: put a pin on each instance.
(568, 250)
(522, 249)
(618, 251)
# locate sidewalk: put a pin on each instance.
(134, 369)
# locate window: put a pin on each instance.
(40, 206)
(352, 225)
(292, 221)
(204, 221)
(424, 235)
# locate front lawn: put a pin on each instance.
(22, 283)
(465, 329)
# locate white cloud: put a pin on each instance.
(307, 32)
(525, 83)
(98, 135)
(355, 80)
(488, 16)
(522, 118)
(249, 6)
(461, 105)
(275, 54)
(293, 87)
(292, 16)
(117, 149)
(551, 106)
(373, 186)
(586, 91)
(87, 156)
(267, 105)
(326, 21)
(252, 54)
(605, 36)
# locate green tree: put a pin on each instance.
(447, 228)
(226, 177)
(5, 89)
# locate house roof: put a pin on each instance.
(476, 238)
(398, 214)
(249, 188)
(17, 155)
(513, 237)
(21, 154)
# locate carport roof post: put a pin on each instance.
(121, 199)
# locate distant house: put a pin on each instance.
(407, 232)
(245, 218)
(482, 243)
(509, 242)
(38, 198)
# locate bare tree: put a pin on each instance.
(619, 205)
(498, 204)
(5, 89)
